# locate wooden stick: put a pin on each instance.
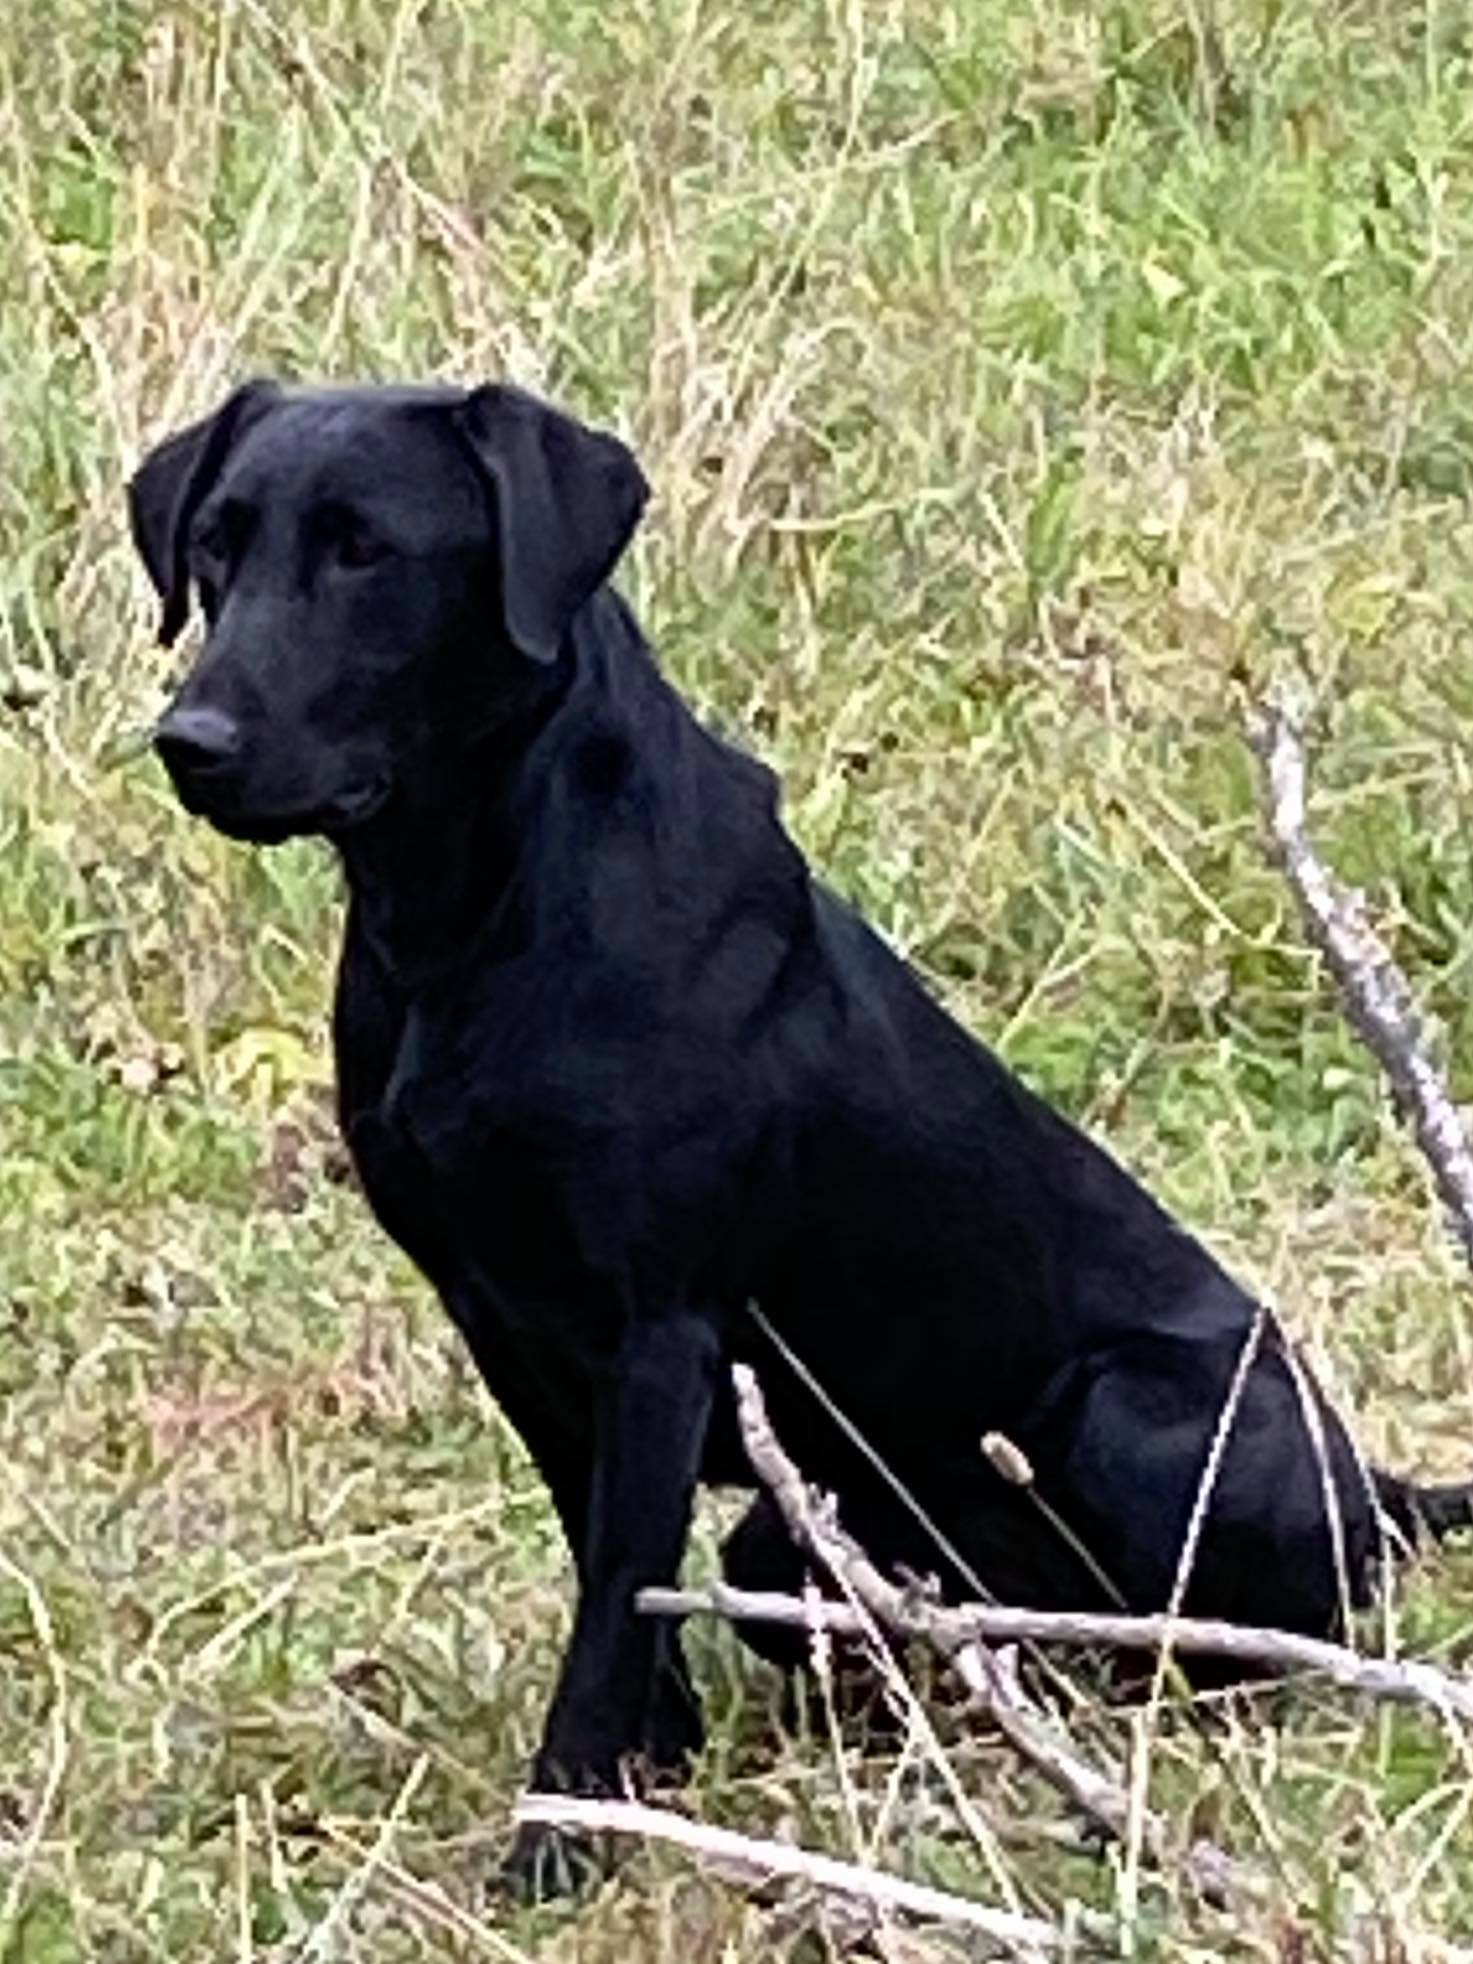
(1402, 1681)
(1372, 988)
(1101, 1796)
(754, 1861)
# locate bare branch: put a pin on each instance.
(1400, 1681)
(752, 1861)
(1100, 1796)
(1373, 989)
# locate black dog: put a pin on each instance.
(614, 1067)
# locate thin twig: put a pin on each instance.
(362, 1541)
(1028, 1729)
(751, 1860)
(425, 1899)
(1398, 1680)
(1142, 1836)
(57, 1726)
(1373, 989)
(904, 1699)
(245, 1940)
(321, 1940)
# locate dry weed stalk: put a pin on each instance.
(1373, 990)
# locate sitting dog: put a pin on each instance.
(614, 1067)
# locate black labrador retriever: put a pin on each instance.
(614, 1067)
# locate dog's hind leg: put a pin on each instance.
(1419, 1511)
(1269, 1550)
(759, 1554)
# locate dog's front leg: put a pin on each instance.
(623, 1694)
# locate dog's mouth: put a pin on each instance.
(355, 806)
(332, 818)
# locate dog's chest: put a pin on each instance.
(500, 1156)
(471, 1091)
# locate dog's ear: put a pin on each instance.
(566, 499)
(168, 488)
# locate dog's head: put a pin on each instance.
(384, 573)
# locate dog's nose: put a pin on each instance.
(194, 740)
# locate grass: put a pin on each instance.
(1024, 387)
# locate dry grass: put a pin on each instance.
(1019, 384)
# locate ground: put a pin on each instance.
(1025, 389)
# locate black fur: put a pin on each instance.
(614, 1065)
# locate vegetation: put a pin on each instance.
(1024, 388)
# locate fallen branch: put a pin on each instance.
(995, 1688)
(753, 1861)
(1398, 1681)
(1373, 989)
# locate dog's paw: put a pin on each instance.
(546, 1864)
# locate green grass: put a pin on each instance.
(1024, 388)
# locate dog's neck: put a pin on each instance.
(427, 874)
(603, 771)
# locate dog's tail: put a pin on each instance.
(1425, 1513)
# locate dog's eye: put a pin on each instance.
(219, 535)
(209, 543)
(355, 547)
